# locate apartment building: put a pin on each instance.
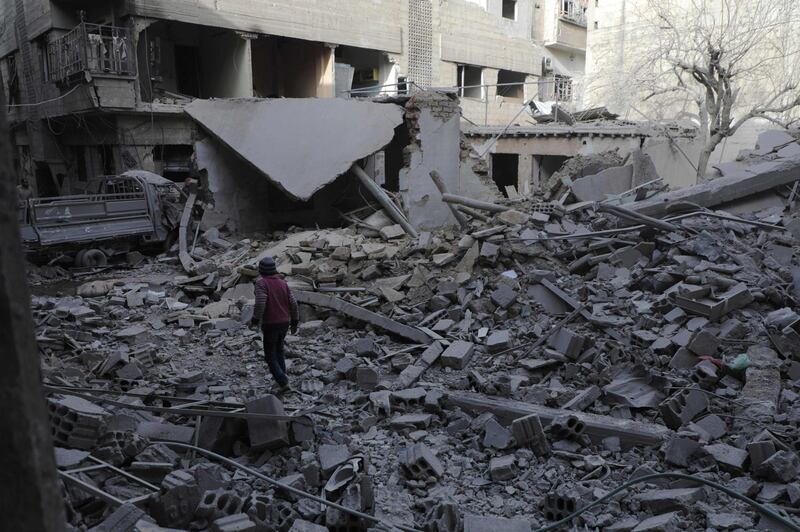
(99, 87)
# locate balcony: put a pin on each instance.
(93, 49)
(574, 12)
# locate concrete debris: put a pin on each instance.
(492, 376)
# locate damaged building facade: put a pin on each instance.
(101, 88)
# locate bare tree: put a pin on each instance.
(732, 60)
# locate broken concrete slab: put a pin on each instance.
(609, 182)
(266, 133)
(740, 182)
(359, 313)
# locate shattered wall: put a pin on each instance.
(433, 123)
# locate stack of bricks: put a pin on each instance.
(75, 422)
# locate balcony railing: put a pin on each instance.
(574, 12)
(556, 88)
(92, 48)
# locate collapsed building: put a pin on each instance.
(532, 365)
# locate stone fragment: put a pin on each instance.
(671, 499)
(679, 450)
(123, 519)
(495, 435)
(502, 468)
(567, 342)
(783, 466)
(683, 407)
(498, 341)
(504, 296)
(728, 458)
(332, 456)
(392, 232)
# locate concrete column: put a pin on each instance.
(327, 81)
(31, 500)
(525, 174)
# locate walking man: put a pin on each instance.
(276, 312)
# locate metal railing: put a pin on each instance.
(573, 11)
(558, 88)
(93, 48)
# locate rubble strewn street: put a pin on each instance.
(500, 376)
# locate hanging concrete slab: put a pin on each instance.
(300, 144)
(609, 182)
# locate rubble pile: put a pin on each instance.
(496, 377)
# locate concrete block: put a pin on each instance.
(489, 252)
(477, 523)
(504, 296)
(709, 428)
(366, 378)
(498, 341)
(783, 466)
(567, 428)
(567, 343)
(381, 403)
(431, 353)
(683, 407)
(365, 347)
(759, 451)
(496, 436)
(502, 468)
(728, 458)
(233, 523)
(703, 343)
(416, 421)
(558, 505)
(175, 507)
(266, 434)
(419, 463)
(392, 232)
(658, 501)
(443, 517)
(704, 374)
(584, 399)
(219, 503)
(165, 431)
(409, 375)
(332, 456)
(458, 354)
(678, 451)
(528, 432)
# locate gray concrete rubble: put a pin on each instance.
(497, 376)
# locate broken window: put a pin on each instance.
(470, 82)
(511, 84)
(563, 88)
(510, 9)
(187, 70)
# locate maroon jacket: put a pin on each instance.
(275, 304)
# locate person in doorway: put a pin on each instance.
(276, 312)
(24, 191)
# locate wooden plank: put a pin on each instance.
(362, 314)
(630, 433)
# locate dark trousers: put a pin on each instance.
(274, 335)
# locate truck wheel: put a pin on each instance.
(78, 260)
(94, 258)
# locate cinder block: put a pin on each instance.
(567, 428)
(366, 378)
(233, 523)
(219, 503)
(704, 374)
(420, 463)
(443, 517)
(75, 422)
(683, 407)
(558, 505)
(458, 354)
(381, 403)
(408, 399)
(528, 432)
(729, 458)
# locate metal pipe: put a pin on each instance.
(388, 205)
